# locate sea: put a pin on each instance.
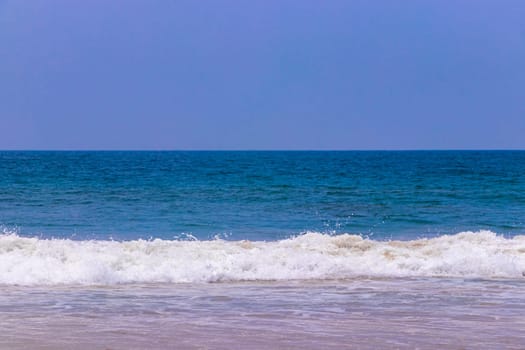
(262, 249)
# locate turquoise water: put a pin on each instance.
(260, 195)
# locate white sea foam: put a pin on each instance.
(33, 261)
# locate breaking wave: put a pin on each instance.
(34, 261)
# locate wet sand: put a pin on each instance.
(420, 313)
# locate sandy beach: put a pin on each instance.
(350, 314)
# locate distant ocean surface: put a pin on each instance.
(260, 195)
(262, 250)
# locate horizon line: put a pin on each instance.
(266, 150)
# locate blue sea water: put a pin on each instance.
(262, 250)
(260, 195)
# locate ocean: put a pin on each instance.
(253, 249)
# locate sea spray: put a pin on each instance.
(35, 261)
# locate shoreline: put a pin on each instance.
(426, 313)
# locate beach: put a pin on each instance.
(422, 313)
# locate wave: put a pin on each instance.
(34, 261)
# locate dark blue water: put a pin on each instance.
(261, 195)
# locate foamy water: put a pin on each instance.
(34, 261)
(362, 313)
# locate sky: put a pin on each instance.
(220, 75)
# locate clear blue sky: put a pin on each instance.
(263, 74)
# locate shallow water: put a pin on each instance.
(424, 313)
